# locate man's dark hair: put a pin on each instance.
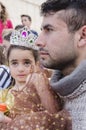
(25, 15)
(74, 14)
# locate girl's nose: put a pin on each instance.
(21, 68)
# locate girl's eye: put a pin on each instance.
(14, 63)
(27, 63)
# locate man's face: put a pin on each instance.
(25, 21)
(56, 43)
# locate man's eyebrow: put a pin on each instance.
(46, 26)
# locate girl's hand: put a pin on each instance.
(47, 97)
(4, 119)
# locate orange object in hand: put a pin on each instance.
(3, 107)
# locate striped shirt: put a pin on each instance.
(5, 77)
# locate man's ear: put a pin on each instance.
(82, 38)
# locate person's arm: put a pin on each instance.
(9, 24)
(47, 97)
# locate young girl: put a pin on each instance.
(33, 105)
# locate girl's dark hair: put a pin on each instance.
(34, 52)
(3, 14)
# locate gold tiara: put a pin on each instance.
(24, 37)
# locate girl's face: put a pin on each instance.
(21, 63)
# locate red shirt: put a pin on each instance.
(4, 26)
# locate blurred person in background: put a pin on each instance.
(6, 40)
(5, 78)
(26, 20)
(4, 21)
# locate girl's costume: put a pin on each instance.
(28, 113)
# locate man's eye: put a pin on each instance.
(49, 29)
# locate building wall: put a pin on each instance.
(30, 7)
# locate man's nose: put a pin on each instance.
(40, 41)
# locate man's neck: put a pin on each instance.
(67, 70)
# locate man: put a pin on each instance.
(27, 21)
(62, 46)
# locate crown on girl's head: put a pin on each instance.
(24, 37)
